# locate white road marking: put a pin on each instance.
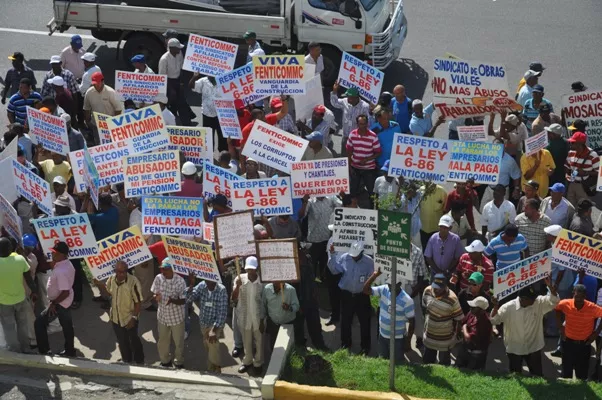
(44, 33)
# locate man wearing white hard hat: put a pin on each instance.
(249, 312)
(190, 187)
(90, 68)
(443, 249)
(473, 261)
(63, 96)
(355, 268)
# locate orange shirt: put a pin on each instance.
(579, 323)
(270, 119)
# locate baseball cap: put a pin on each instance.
(249, 35)
(90, 57)
(439, 282)
(60, 180)
(55, 60)
(56, 81)
(239, 104)
(446, 221)
(538, 89)
(530, 74)
(161, 98)
(552, 230)
(479, 302)
(475, 247)
(260, 230)
(512, 119)
(536, 66)
(170, 33)
(138, 58)
(276, 103)
(77, 41)
(16, 56)
(554, 128)
(189, 168)
(316, 135)
(353, 92)
(97, 77)
(578, 137)
(60, 247)
(545, 107)
(532, 183)
(558, 188)
(578, 125)
(173, 42)
(62, 201)
(578, 86)
(320, 109)
(416, 102)
(251, 263)
(29, 240)
(220, 200)
(476, 277)
(356, 248)
(385, 166)
(166, 263)
(527, 292)
(584, 204)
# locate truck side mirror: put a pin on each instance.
(358, 24)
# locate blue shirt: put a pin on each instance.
(508, 170)
(213, 305)
(355, 273)
(530, 113)
(402, 113)
(297, 204)
(506, 254)
(591, 287)
(385, 137)
(422, 126)
(566, 283)
(404, 310)
(17, 105)
(105, 224)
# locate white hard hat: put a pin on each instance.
(188, 168)
(356, 248)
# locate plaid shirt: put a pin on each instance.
(350, 113)
(287, 124)
(172, 314)
(418, 265)
(533, 231)
(213, 305)
(68, 77)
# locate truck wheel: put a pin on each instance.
(332, 62)
(144, 43)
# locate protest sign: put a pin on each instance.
(91, 177)
(320, 178)
(521, 274)
(74, 229)
(355, 73)
(463, 89)
(217, 180)
(478, 161)
(267, 197)
(420, 158)
(76, 159)
(208, 233)
(103, 129)
(274, 147)
(279, 260)
(586, 106)
(238, 84)
(144, 128)
(48, 130)
(152, 173)
(10, 219)
(108, 160)
(8, 189)
(195, 143)
(575, 251)
(599, 185)
(128, 246)
(352, 224)
(139, 87)
(473, 133)
(187, 257)
(228, 119)
(404, 268)
(277, 75)
(394, 238)
(175, 216)
(32, 187)
(305, 104)
(234, 235)
(11, 150)
(535, 143)
(209, 56)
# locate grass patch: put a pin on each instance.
(433, 381)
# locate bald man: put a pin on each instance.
(401, 106)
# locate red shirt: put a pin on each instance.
(243, 120)
(466, 267)
(271, 119)
(158, 251)
(455, 197)
(479, 329)
(190, 188)
(361, 147)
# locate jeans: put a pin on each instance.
(14, 320)
(472, 359)
(64, 316)
(334, 293)
(363, 176)
(129, 342)
(384, 349)
(533, 363)
(430, 356)
(311, 316)
(575, 356)
(351, 304)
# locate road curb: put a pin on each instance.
(282, 348)
(292, 391)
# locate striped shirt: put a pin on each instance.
(466, 267)
(17, 105)
(530, 113)
(579, 323)
(361, 147)
(404, 310)
(506, 254)
(587, 160)
(440, 314)
(68, 77)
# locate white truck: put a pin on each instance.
(373, 30)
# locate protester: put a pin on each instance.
(415, 287)
(285, 227)
(581, 167)
(476, 332)
(443, 249)
(401, 106)
(460, 224)
(102, 99)
(255, 49)
(71, 57)
(432, 208)
(582, 220)
(13, 77)
(385, 130)
(531, 224)
(463, 193)
(473, 261)
(67, 80)
(52, 167)
(16, 110)
(170, 64)
(497, 213)
(545, 119)
(270, 119)
(590, 282)
(476, 287)
(315, 149)
(139, 62)
(280, 305)
(538, 167)
(534, 66)
(421, 123)
(317, 123)
(353, 106)
(59, 186)
(314, 57)
(557, 207)
(76, 139)
(207, 87)
(190, 187)
(559, 149)
(532, 106)
(90, 68)
(509, 247)
(531, 78)
(287, 123)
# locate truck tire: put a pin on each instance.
(332, 62)
(144, 43)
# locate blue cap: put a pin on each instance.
(77, 41)
(29, 240)
(439, 281)
(166, 263)
(538, 89)
(138, 58)
(385, 166)
(316, 135)
(558, 188)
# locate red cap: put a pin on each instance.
(97, 77)
(320, 109)
(276, 103)
(578, 137)
(239, 104)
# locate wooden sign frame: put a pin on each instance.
(218, 247)
(295, 257)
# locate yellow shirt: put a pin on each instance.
(123, 298)
(541, 174)
(431, 209)
(52, 170)
(522, 83)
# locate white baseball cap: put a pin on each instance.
(173, 42)
(356, 248)
(475, 247)
(530, 74)
(331, 227)
(552, 230)
(251, 263)
(512, 119)
(479, 302)
(55, 60)
(60, 180)
(416, 102)
(446, 221)
(66, 117)
(57, 81)
(189, 168)
(90, 57)
(555, 128)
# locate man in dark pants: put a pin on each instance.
(355, 268)
(185, 112)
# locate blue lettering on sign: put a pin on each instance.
(133, 116)
(277, 60)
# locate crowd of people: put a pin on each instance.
(447, 304)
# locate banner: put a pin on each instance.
(11, 150)
(352, 224)
(278, 75)
(463, 89)
(420, 158)
(267, 197)
(208, 233)
(279, 260)
(48, 130)
(175, 216)
(475, 160)
(152, 173)
(8, 189)
(404, 268)
(128, 246)
(103, 128)
(228, 119)
(395, 238)
(305, 104)
(473, 133)
(108, 160)
(74, 229)
(355, 73)
(145, 129)
(522, 274)
(195, 143)
(10, 219)
(274, 147)
(234, 235)
(575, 251)
(91, 178)
(217, 180)
(32, 187)
(535, 143)
(76, 160)
(209, 56)
(139, 87)
(187, 257)
(320, 178)
(586, 106)
(238, 84)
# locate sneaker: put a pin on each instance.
(167, 365)
(238, 352)
(556, 353)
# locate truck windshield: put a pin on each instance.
(368, 4)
